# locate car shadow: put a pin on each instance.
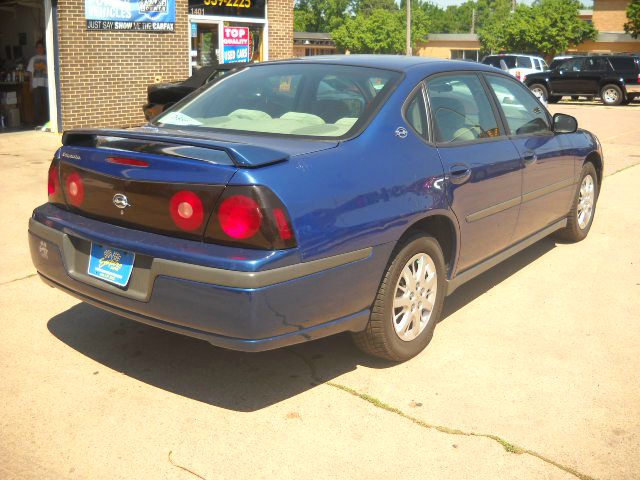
(238, 381)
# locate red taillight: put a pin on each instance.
(134, 162)
(74, 189)
(239, 216)
(186, 210)
(54, 182)
(250, 216)
(284, 229)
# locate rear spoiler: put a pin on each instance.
(241, 154)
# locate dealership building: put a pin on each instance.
(102, 54)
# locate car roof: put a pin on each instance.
(513, 55)
(401, 63)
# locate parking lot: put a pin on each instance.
(533, 373)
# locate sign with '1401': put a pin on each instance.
(235, 44)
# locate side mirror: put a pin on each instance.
(564, 123)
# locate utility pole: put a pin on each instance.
(473, 21)
(408, 27)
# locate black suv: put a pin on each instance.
(613, 78)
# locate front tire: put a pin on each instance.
(540, 90)
(583, 208)
(408, 304)
(611, 95)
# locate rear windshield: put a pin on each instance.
(310, 100)
(512, 61)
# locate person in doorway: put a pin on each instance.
(37, 69)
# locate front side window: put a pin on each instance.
(524, 115)
(288, 99)
(461, 110)
(572, 65)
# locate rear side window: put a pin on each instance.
(523, 113)
(416, 114)
(523, 62)
(461, 110)
(593, 64)
(623, 63)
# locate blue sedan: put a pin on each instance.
(297, 199)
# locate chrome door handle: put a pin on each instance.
(529, 158)
(459, 173)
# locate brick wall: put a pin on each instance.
(610, 15)
(280, 17)
(104, 75)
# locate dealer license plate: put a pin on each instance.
(110, 264)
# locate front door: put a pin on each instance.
(482, 166)
(205, 45)
(548, 177)
(565, 78)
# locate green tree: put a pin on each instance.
(383, 31)
(547, 27)
(366, 7)
(632, 27)
(319, 15)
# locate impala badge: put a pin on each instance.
(120, 200)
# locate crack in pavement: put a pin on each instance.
(508, 446)
(183, 468)
(623, 169)
(18, 279)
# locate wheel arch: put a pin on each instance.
(443, 226)
(596, 160)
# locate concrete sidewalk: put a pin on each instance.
(534, 372)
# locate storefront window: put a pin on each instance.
(256, 39)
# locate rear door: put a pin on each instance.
(548, 177)
(593, 71)
(482, 167)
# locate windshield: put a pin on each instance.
(313, 100)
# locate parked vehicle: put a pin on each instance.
(614, 78)
(558, 60)
(161, 96)
(516, 64)
(273, 208)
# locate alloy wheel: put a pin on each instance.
(586, 199)
(415, 296)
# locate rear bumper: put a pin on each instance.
(242, 310)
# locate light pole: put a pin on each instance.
(408, 27)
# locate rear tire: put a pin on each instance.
(405, 313)
(611, 95)
(554, 98)
(583, 208)
(575, 98)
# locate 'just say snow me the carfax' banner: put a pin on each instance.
(131, 15)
